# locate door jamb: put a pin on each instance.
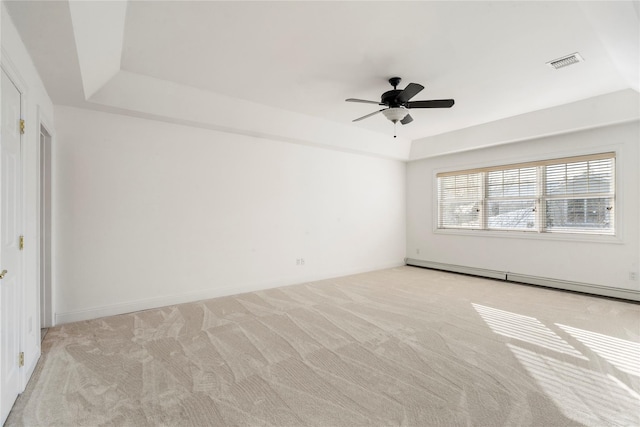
(44, 122)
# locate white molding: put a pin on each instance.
(11, 70)
(587, 288)
(493, 274)
(47, 123)
(169, 300)
(606, 291)
(549, 236)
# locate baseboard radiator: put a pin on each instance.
(586, 288)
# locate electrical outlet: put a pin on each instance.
(633, 275)
(297, 261)
(417, 251)
(301, 261)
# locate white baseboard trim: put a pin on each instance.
(143, 304)
(167, 300)
(607, 291)
(493, 274)
(587, 288)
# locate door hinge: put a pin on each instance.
(21, 126)
(21, 359)
(21, 242)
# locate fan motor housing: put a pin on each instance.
(389, 98)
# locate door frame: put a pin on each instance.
(43, 122)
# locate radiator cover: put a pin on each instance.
(586, 288)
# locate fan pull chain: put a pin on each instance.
(394, 128)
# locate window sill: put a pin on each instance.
(566, 237)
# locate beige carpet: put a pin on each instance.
(403, 346)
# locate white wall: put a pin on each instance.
(598, 111)
(150, 213)
(36, 107)
(603, 263)
(156, 99)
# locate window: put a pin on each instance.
(460, 199)
(511, 199)
(571, 195)
(579, 196)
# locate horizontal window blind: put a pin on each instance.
(579, 196)
(537, 163)
(567, 195)
(460, 198)
(511, 199)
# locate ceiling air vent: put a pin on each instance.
(565, 61)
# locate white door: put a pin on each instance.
(9, 247)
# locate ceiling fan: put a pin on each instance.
(398, 104)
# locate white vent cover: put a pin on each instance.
(565, 61)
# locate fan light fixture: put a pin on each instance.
(395, 114)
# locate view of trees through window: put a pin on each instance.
(574, 195)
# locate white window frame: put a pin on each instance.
(539, 232)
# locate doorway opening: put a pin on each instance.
(46, 320)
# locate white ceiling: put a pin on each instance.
(307, 57)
